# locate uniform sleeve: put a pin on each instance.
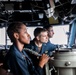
(17, 65)
(40, 70)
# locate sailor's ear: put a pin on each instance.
(16, 35)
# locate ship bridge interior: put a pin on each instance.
(61, 14)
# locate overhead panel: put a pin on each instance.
(53, 21)
(56, 11)
(9, 6)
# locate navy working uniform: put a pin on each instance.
(19, 63)
(50, 47)
(46, 48)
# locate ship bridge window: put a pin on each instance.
(61, 34)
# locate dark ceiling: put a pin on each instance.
(28, 11)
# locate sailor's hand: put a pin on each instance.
(43, 60)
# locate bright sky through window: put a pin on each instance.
(60, 34)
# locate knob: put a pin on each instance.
(67, 63)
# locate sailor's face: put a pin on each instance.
(24, 37)
(43, 37)
(50, 32)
